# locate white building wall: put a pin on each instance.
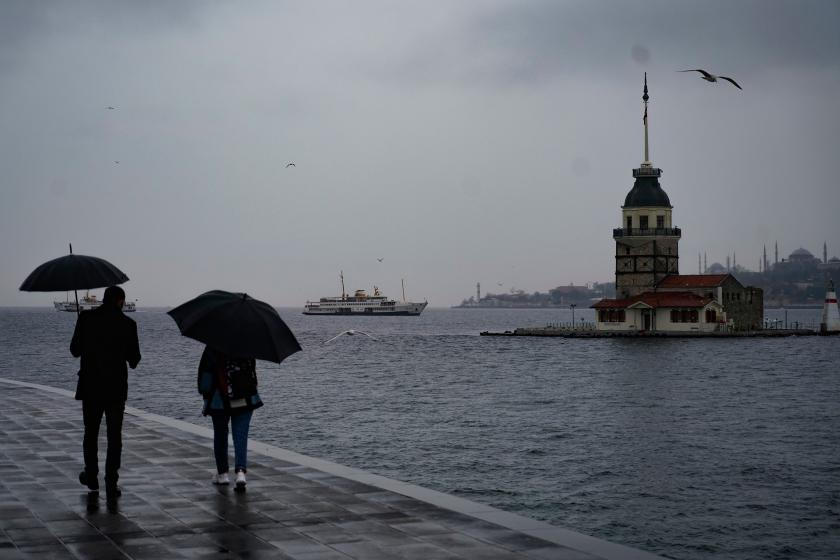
(661, 321)
(650, 212)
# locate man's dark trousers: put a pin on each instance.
(92, 412)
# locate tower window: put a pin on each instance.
(660, 222)
(629, 222)
(643, 222)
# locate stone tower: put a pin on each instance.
(646, 246)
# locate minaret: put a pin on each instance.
(645, 97)
(765, 258)
(699, 265)
(478, 292)
(646, 244)
(777, 252)
(705, 263)
(825, 252)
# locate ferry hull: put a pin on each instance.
(363, 314)
(71, 306)
(407, 309)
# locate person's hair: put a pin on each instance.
(113, 294)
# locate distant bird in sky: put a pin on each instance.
(116, 161)
(500, 283)
(350, 332)
(711, 77)
(291, 164)
(380, 259)
(110, 108)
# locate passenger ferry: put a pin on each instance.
(88, 302)
(360, 303)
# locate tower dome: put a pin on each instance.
(647, 192)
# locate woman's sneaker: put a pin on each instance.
(240, 479)
(221, 479)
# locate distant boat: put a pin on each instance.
(362, 304)
(88, 302)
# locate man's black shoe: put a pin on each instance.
(113, 491)
(92, 482)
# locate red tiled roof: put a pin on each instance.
(656, 300)
(611, 304)
(692, 280)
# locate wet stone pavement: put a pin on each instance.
(169, 508)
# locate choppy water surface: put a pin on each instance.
(687, 448)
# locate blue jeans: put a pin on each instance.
(239, 424)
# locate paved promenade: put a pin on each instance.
(295, 506)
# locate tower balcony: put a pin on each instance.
(647, 171)
(651, 232)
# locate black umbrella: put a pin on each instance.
(73, 272)
(237, 325)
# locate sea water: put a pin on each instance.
(713, 448)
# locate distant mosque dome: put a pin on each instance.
(834, 260)
(716, 268)
(647, 192)
(801, 255)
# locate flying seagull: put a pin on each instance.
(110, 108)
(380, 260)
(711, 77)
(291, 164)
(116, 161)
(350, 332)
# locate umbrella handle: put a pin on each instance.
(75, 292)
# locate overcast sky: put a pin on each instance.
(487, 141)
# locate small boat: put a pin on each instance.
(88, 302)
(362, 304)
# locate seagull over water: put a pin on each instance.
(291, 164)
(350, 332)
(711, 77)
(380, 260)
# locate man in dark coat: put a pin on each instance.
(106, 340)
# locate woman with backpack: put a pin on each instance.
(229, 387)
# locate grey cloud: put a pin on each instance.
(26, 23)
(539, 41)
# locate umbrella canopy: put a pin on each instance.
(236, 324)
(73, 272)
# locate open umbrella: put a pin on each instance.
(73, 272)
(236, 324)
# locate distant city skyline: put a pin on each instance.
(475, 141)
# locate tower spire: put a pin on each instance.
(645, 98)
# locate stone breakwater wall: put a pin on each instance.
(587, 333)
